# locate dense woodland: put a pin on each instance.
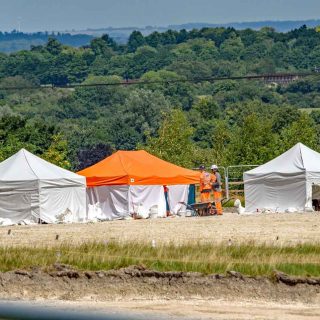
(14, 41)
(189, 123)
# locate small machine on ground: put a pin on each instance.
(201, 209)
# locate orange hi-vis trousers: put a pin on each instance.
(217, 195)
(205, 196)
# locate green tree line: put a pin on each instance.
(188, 123)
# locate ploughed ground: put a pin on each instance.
(230, 296)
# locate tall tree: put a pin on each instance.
(135, 41)
(93, 154)
(173, 142)
(57, 153)
(53, 46)
(253, 142)
(302, 130)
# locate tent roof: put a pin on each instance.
(297, 159)
(24, 166)
(137, 168)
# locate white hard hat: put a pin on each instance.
(214, 166)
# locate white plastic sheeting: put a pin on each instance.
(108, 202)
(144, 198)
(65, 203)
(119, 202)
(32, 188)
(176, 195)
(284, 183)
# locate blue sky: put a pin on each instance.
(40, 15)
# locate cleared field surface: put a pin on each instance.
(273, 229)
(202, 309)
(115, 265)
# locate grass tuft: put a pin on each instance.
(249, 259)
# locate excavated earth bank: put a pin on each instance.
(64, 283)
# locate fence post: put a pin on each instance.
(226, 177)
(229, 170)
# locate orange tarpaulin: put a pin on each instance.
(137, 168)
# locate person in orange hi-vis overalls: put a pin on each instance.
(216, 187)
(205, 185)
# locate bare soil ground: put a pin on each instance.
(216, 308)
(279, 229)
(192, 296)
(172, 293)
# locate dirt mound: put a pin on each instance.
(64, 283)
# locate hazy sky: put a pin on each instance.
(39, 15)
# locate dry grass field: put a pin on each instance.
(253, 245)
(272, 229)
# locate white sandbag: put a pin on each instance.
(239, 207)
(6, 222)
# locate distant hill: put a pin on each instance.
(280, 26)
(15, 41)
(121, 35)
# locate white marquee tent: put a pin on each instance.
(32, 188)
(286, 183)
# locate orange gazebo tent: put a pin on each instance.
(137, 168)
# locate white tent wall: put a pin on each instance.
(58, 201)
(107, 202)
(275, 192)
(119, 202)
(313, 179)
(176, 194)
(16, 207)
(31, 203)
(142, 198)
(19, 200)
